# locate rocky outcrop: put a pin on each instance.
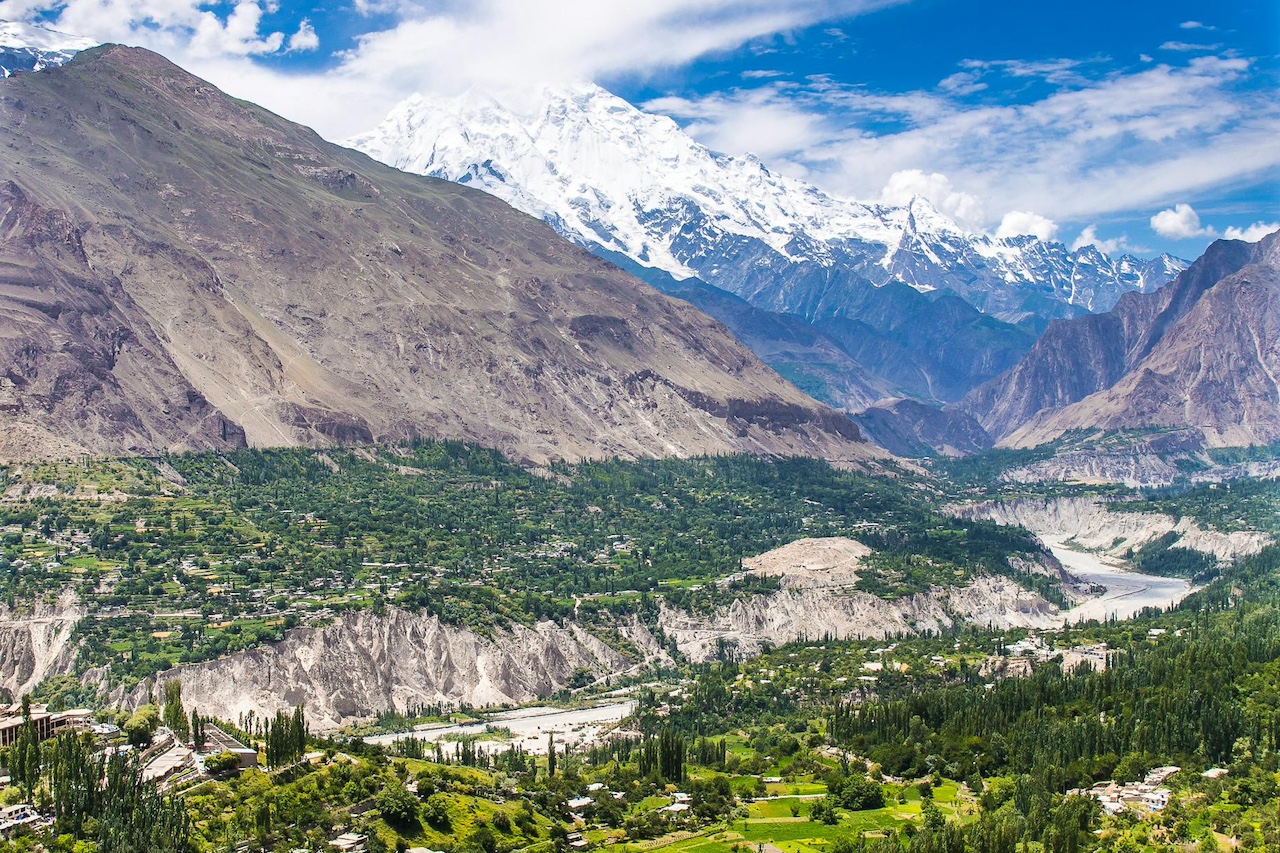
(1091, 524)
(365, 663)
(912, 429)
(182, 270)
(796, 349)
(36, 642)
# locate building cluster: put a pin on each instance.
(14, 817)
(1017, 660)
(1149, 795)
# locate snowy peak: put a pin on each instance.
(610, 176)
(607, 173)
(27, 47)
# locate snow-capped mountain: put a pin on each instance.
(27, 47)
(630, 183)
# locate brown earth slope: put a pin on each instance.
(179, 269)
(1202, 353)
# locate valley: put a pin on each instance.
(533, 477)
(504, 612)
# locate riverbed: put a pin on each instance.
(576, 727)
(1128, 592)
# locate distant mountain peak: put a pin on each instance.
(611, 176)
(30, 47)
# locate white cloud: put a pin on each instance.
(1189, 47)
(1252, 233)
(304, 39)
(903, 186)
(752, 122)
(1180, 222)
(1103, 140)
(441, 47)
(1108, 142)
(962, 83)
(1019, 222)
(1089, 237)
(1195, 25)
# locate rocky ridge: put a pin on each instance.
(818, 598)
(365, 663)
(37, 642)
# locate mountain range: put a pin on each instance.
(180, 269)
(607, 174)
(904, 301)
(138, 320)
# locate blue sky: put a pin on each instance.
(1142, 126)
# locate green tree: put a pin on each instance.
(142, 725)
(175, 715)
(24, 753)
(397, 804)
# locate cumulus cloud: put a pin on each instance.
(1089, 237)
(1252, 233)
(304, 39)
(903, 186)
(1019, 222)
(1180, 222)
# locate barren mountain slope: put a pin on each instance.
(1214, 369)
(1077, 358)
(179, 269)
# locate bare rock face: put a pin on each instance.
(36, 642)
(795, 613)
(1089, 524)
(182, 270)
(1202, 353)
(365, 663)
(819, 598)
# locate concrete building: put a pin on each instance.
(48, 723)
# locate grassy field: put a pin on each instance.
(771, 823)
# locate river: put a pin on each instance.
(1127, 591)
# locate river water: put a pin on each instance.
(1127, 591)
